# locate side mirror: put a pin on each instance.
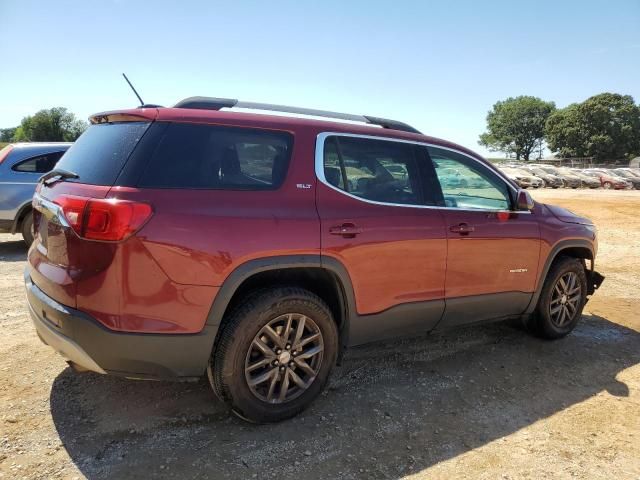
(524, 201)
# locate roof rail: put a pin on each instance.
(212, 103)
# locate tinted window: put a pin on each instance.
(379, 170)
(467, 184)
(101, 151)
(213, 157)
(39, 164)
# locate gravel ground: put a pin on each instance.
(478, 402)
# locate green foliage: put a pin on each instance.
(6, 134)
(516, 125)
(605, 126)
(52, 125)
(19, 135)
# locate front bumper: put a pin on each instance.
(82, 340)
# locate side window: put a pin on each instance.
(214, 157)
(40, 164)
(467, 184)
(379, 170)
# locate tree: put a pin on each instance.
(6, 134)
(516, 125)
(52, 125)
(605, 126)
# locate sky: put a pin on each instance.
(438, 66)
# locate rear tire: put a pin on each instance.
(607, 185)
(561, 301)
(27, 228)
(261, 366)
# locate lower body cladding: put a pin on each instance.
(90, 346)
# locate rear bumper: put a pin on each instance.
(82, 340)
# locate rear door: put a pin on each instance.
(493, 250)
(378, 219)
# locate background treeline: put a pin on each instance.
(49, 125)
(605, 127)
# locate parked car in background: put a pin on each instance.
(628, 176)
(570, 180)
(587, 181)
(608, 180)
(611, 173)
(523, 178)
(21, 165)
(550, 180)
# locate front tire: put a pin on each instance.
(274, 354)
(562, 299)
(27, 228)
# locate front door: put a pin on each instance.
(493, 250)
(377, 219)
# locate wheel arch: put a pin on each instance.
(324, 276)
(577, 248)
(22, 212)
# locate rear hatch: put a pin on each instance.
(77, 228)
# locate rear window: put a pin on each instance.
(194, 156)
(101, 152)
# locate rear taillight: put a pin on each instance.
(103, 219)
(4, 153)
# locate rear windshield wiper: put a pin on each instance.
(57, 174)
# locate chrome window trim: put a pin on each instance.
(319, 168)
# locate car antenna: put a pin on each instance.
(134, 90)
(142, 104)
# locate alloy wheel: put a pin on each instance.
(284, 358)
(565, 299)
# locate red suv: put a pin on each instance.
(170, 242)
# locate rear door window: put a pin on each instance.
(101, 152)
(40, 164)
(374, 169)
(192, 156)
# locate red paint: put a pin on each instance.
(165, 276)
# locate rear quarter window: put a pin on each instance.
(192, 156)
(101, 152)
(39, 164)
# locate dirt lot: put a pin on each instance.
(481, 402)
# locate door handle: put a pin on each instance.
(346, 230)
(462, 229)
